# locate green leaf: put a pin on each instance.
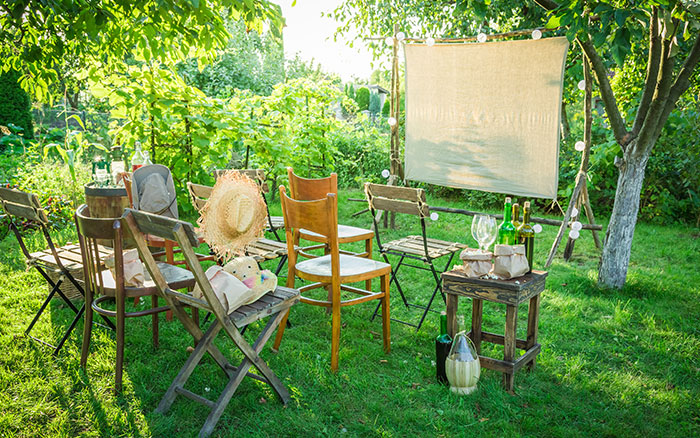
(553, 22)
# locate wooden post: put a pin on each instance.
(581, 178)
(395, 160)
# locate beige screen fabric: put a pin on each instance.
(485, 116)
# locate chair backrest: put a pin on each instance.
(145, 186)
(92, 232)
(199, 194)
(257, 175)
(304, 189)
(319, 216)
(397, 200)
(26, 207)
(141, 223)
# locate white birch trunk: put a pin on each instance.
(618, 238)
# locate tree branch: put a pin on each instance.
(652, 71)
(682, 82)
(547, 4)
(622, 136)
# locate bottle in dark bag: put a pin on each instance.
(442, 348)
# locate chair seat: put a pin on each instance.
(266, 249)
(414, 245)
(277, 223)
(177, 278)
(346, 234)
(351, 268)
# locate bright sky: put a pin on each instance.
(311, 36)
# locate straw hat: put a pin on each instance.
(233, 216)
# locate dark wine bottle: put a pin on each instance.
(526, 234)
(442, 348)
(506, 231)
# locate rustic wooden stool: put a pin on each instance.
(511, 293)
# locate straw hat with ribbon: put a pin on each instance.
(233, 216)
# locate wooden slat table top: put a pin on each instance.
(513, 291)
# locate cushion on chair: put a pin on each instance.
(349, 266)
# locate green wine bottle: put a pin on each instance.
(506, 231)
(526, 234)
(516, 218)
(442, 348)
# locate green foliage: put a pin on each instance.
(374, 103)
(387, 107)
(364, 153)
(15, 107)
(37, 35)
(351, 91)
(297, 68)
(362, 98)
(250, 61)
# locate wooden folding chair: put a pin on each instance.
(274, 223)
(419, 248)
(274, 304)
(333, 271)
(64, 263)
(260, 249)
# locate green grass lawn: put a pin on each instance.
(612, 363)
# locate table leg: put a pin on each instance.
(533, 319)
(509, 344)
(477, 316)
(452, 304)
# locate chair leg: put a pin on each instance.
(335, 327)
(70, 329)
(280, 332)
(43, 306)
(87, 329)
(154, 321)
(119, 362)
(386, 318)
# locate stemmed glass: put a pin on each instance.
(487, 231)
(475, 227)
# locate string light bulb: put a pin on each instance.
(391, 121)
(574, 234)
(385, 173)
(582, 85)
(537, 228)
(434, 216)
(536, 34)
(574, 212)
(430, 41)
(389, 41)
(576, 226)
(580, 146)
(481, 37)
(400, 36)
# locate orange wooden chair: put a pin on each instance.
(333, 270)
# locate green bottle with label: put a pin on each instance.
(506, 231)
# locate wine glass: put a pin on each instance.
(487, 232)
(475, 227)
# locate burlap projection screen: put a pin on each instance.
(485, 116)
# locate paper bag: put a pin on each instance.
(133, 268)
(231, 292)
(510, 261)
(477, 263)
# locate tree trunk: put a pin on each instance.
(618, 238)
(565, 127)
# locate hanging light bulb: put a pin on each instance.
(391, 121)
(389, 41)
(574, 212)
(434, 216)
(400, 36)
(537, 228)
(481, 37)
(536, 34)
(574, 234)
(582, 85)
(385, 173)
(580, 146)
(430, 41)
(576, 226)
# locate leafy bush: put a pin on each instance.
(15, 106)
(374, 103)
(386, 108)
(364, 153)
(362, 98)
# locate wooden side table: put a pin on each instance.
(511, 293)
